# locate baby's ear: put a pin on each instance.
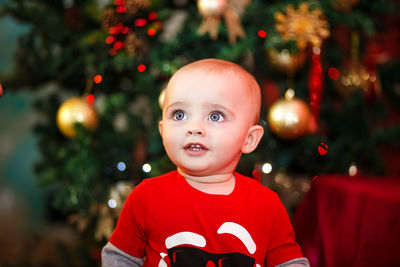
(160, 127)
(253, 138)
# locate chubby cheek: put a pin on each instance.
(171, 140)
(232, 142)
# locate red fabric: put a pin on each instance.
(162, 207)
(344, 221)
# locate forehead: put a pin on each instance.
(191, 83)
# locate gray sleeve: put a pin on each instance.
(112, 256)
(298, 262)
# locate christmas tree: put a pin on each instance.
(327, 70)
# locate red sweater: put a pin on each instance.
(173, 224)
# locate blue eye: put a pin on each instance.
(216, 116)
(179, 115)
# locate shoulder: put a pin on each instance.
(154, 184)
(257, 190)
(150, 190)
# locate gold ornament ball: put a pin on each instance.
(352, 77)
(289, 119)
(161, 98)
(211, 8)
(76, 110)
(286, 61)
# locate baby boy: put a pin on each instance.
(204, 213)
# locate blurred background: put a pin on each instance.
(81, 84)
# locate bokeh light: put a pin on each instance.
(333, 73)
(121, 166)
(98, 78)
(141, 68)
(262, 34)
(113, 30)
(112, 52)
(140, 22)
(90, 99)
(151, 31)
(152, 15)
(110, 39)
(112, 203)
(353, 169)
(146, 167)
(118, 45)
(266, 168)
(121, 9)
(125, 30)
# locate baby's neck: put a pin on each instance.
(220, 184)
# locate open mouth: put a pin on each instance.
(195, 147)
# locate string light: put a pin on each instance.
(152, 15)
(266, 168)
(121, 9)
(98, 78)
(141, 68)
(112, 203)
(125, 30)
(121, 166)
(113, 30)
(118, 45)
(146, 168)
(333, 73)
(262, 34)
(140, 22)
(90, 99)
(112, 52)
(110, 39)
(151, 31)
(353, 169)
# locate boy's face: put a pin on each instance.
(205, 123)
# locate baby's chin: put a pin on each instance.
(204, 172)
(193, 171)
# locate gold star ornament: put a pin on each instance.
(302, 25)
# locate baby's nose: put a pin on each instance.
(199, 132)
(196, 128)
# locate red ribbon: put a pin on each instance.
(315, 85)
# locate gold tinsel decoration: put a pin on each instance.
(302, 25)
(353, 77)
(109, 213)
(231, 10)
(105, 214)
